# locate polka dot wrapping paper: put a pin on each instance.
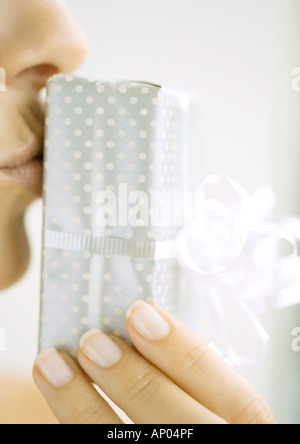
(109, 148)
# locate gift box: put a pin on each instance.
(116, 161)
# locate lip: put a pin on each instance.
(25, 153)
(25, 167)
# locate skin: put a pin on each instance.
(174, 379)
(37, 39)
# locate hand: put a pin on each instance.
(172, 378)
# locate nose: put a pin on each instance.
(44, 39)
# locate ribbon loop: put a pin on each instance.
(233, 245)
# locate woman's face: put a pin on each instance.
(38, 38)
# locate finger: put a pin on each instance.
(68, 392)
(136, 386)
(193, 366)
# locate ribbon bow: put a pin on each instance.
(242, 256)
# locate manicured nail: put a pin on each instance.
(54, 368)
(100, 349)
(147, 321)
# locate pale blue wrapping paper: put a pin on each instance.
(103, 136)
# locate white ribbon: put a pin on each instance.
(232, 245)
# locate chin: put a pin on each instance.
(14, 245)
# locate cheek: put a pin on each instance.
(14, 248)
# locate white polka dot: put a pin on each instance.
(88, 166)
(142, 179)
(78, 132)
(150, 278)
(118, 288)
(133, 100)
(117, 310)
(145, 90)
(99, 155)
(107, 277)
(121, 156)
(77, 177)
(99, 133)
(142, 156)
(121, 134)
(111, 122)
(132, 123)
(77, 155)
(67, 121)
(88, 188)
(143, 134)
(89, 122)
(79, 88)
(110, 144)
(111, 100)
(100, 88)
(122, 111)
(110, 166)
(144, 112)
(89, 100)
(57, 88)
(88, 144)
(76, 199)
(68, 99)
(106, 321)
(78, 110)
(96, 309)
(123, 89)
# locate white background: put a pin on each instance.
(238, 55)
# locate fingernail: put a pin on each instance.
(100, 349)
(54, 368)
(147, 321)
